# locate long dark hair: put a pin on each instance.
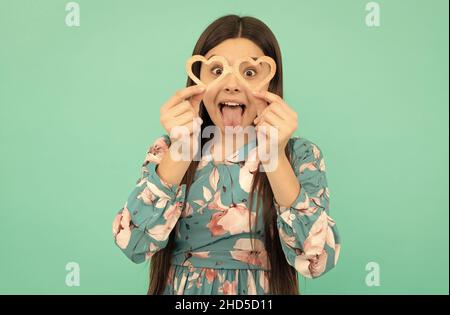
(282, 276)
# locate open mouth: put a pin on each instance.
(232, 113)
(231, 105)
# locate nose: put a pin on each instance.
(231, 86)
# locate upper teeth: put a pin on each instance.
(231, 103)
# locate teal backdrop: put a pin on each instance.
(79, 106)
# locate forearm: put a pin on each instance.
(174, 165)
(172, 171)
(283, 182)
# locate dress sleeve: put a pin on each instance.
(309, 237)
(143, 224)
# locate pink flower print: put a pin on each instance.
(311, 266)
(214, 227)
(163, 197)
(264, 281)
(204, 254)
(156, 151)
(179, 287)
(122, 228)
(309, 206)
(337, 250)
(303, 206)
(288, 240)
(170, 275)
(247, 171)
(234, 220)
(307, 166)
(194, 278)
(210, 274)
(173, 212)
(316, 151)
(313, 260)
(254, 255)
(207, 194)
(315, 242)
(214, 178)
(216, 203)
(322, 166)
(251, 284)
(116, 224)
(171, 215)
(228, 288)
(153, 248)
(146, 196)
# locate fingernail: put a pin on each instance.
(201, 88)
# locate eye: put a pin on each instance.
(250, 72)
(217, 71)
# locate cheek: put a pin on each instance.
(210, 96)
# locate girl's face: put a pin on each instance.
(231, 103)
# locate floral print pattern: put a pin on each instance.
(215, 253)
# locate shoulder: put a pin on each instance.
(304, 150)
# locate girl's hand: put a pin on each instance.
(182, 109)
(277, 114)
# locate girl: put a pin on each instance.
(221, 225)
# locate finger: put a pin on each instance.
(272, 119)
(183, 119)
(262, 130)
(187, 129)
(287, 109)
(261, 114)
(181, 108)
(268, 96)
(184, 94)
(280, 111)
(195, 101)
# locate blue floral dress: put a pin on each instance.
(214, 253)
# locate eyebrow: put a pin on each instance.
(254, 58)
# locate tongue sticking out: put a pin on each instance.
(232, 115)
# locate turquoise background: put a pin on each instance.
(80, 105)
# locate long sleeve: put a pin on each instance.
(143, 225)
(309, 236)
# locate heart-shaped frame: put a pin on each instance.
(199, 58)
(227, 69)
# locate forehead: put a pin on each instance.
(235, 48)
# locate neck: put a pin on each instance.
(228, 144)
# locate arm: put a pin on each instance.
(283, 182)
(309, 237)
(142, 226)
